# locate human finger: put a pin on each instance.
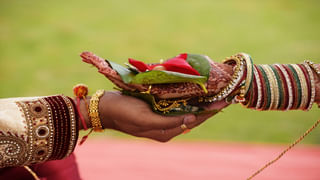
(161, 135)
(156, 121)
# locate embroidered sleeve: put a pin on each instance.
(38, 129)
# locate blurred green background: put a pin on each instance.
(40, 43)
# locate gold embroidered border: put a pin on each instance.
(12, 151)
(40, 130)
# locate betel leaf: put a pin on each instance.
(125, 74)
(162, 77)
(199, 63)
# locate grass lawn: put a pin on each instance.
(40, 42)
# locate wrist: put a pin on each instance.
(81, 106)
(104, 111)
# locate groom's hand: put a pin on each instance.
(135, 117)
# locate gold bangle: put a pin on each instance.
(94, 111)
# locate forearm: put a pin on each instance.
(281, 86)
(37, 129)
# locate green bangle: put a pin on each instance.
(264, 75)
(296, 78)
(276, 73)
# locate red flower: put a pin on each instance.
(176, 64)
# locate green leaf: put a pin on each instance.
(125, 74)
(161, 77)
(199, 63)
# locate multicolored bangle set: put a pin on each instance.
(275, 87)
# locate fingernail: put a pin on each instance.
(189, 119)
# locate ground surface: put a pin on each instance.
(138, 160)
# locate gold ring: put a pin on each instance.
(185, 129)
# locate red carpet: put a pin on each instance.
(139, 160)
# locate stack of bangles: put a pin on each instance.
(275, 87)
(81, 91)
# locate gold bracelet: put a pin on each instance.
(94, 111)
